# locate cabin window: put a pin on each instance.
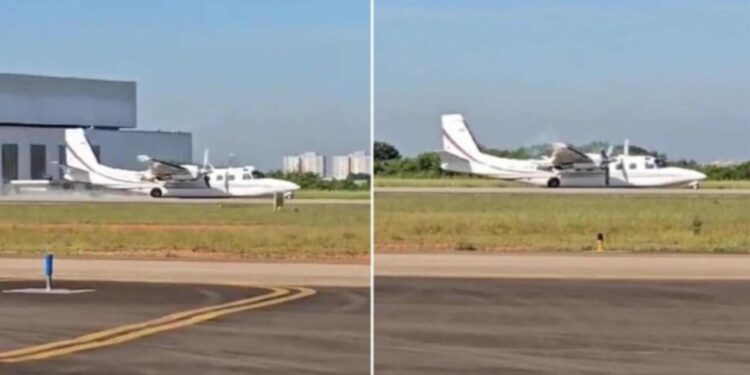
(247, 176)
(649, 165)
(618, 167)
(632, 166)
(230, 177)
(219, 178)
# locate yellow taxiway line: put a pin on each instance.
(130, 332)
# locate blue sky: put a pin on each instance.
(669, 75)
(259, 79)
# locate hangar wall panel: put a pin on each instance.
(117, 148)
(121, 148)
(54, 101)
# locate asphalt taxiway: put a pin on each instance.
(137, 328)
(528, 326)
(562, 314)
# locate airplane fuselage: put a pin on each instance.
(624, 171)
(219, 183)
(566, 167)
(223, 182)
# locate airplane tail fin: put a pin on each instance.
(457, 138)
(78, 152)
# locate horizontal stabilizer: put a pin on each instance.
(454, 163)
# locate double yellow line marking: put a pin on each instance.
(129, 332)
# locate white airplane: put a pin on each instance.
(566, 167)
(165, 179)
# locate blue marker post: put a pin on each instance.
(48, 270)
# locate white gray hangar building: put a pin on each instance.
(36, 110)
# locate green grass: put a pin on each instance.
(484, 182)
(524, 222)
(742, 184)
(333, 194)
(314, 231)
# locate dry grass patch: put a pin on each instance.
(311, 232)
(527, 222)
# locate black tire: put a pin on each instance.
(553, 182)
(156, 193)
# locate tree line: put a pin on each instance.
(389, 162)
(312, 181)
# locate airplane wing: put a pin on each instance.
(565, 156)
(164, 170)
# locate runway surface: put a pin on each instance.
(565, 265)
(535, 190)
(113, 198)
(327, 333)
(173, 271)
(527, 326)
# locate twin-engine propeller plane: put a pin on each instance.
(566, 167)
(166, 179)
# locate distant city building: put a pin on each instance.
(356, 163)
(360, 163)
(309, 162)
(340, 167)
(291, 164)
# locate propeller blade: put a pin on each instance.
(606, 176)
(605, 160)
(205, 159)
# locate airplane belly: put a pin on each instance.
(653, 181)
(193, 193)
(536, 181)
(251, 191)
(583, 180)
(595, 180)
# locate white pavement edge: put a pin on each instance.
(566, 266)
(560, 191)
(197, 272)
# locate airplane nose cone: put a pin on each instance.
(292, 186)
(699, 176)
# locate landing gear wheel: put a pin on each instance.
(553, 182)
(156, 193)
